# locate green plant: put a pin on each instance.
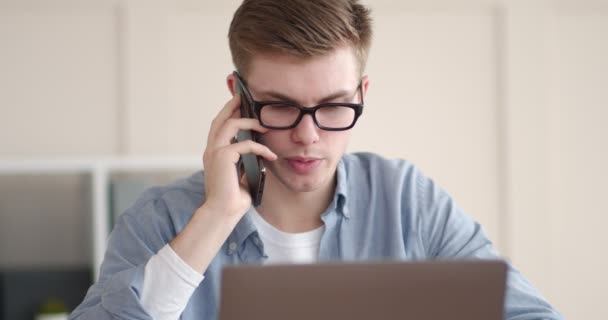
(53, 306)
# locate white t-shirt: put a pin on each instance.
(284, 247)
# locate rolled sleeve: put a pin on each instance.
(133, 241)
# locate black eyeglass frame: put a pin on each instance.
(258, 105)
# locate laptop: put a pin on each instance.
(471, 290)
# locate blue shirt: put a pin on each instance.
(381, 209)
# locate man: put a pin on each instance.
(165, 253)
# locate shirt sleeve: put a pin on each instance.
(138, 234)
(168, 285)
(448, 232)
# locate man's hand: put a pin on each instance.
(226, 195)
(223, 190)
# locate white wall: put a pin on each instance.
(503, 103)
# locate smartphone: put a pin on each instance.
(252, 164)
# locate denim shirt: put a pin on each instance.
(381, 210)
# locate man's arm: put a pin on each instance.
(136, 239)
(448, 232)
(227, 198)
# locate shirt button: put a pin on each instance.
(232, 246)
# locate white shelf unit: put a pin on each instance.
(100, 170)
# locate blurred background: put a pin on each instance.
(504, 103)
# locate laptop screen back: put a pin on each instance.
(402, 290)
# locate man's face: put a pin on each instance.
(307, 155)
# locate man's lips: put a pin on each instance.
(302, 159)
(303, 165)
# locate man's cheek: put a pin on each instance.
(269, 139)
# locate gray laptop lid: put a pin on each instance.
(406, 290)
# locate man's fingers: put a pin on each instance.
(231, 108)
(244, 147)
(225, 135)
(233, 126)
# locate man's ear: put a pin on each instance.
(364, 86)
(231, 83)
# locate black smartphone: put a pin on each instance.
(253, 165)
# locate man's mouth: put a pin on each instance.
(303, 165)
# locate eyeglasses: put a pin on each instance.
(283, 115)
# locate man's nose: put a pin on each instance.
(306, 132)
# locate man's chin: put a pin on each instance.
(300, 184)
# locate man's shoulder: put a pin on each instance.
(177, 199)
(189, 187)
(158, 214)
(364, 171)
(372, 163)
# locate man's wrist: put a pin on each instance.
(198, 243)
(209, 215)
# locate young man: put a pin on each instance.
(165, 253)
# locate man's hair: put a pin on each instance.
(299, 28)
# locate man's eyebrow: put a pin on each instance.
(273, 95)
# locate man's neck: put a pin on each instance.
(294, 212)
